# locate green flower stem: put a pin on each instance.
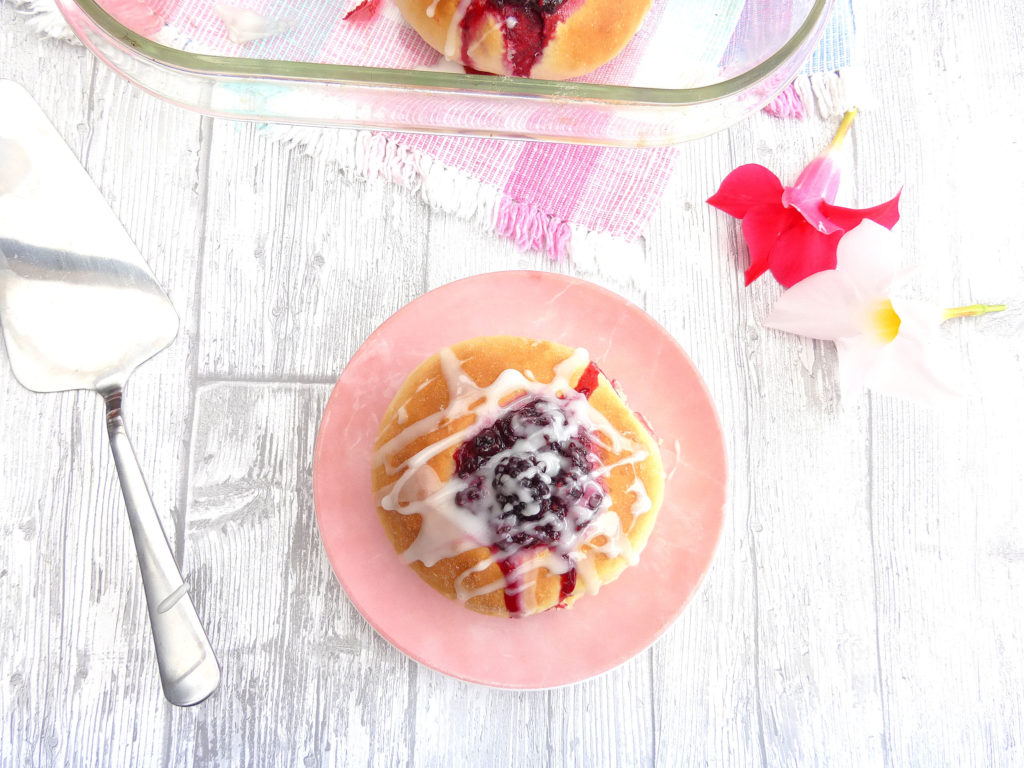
(844, 128)
(974, 310)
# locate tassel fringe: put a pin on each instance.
(371, 156)
(832, 93)
(44, 18)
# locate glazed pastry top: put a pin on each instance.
(519, 466)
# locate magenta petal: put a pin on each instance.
(748, 186)
(811, 207)
(801, 251)
(814, 189)
(755, 270)
(886, 214)
(762, 227)
(820, 179)
(364, 11)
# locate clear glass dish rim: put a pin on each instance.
(418, 80)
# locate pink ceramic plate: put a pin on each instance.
(561, 646)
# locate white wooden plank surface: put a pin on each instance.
(863, 608)
(303, 263)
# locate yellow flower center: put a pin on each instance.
(884, 321)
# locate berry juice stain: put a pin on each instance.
(588, 380)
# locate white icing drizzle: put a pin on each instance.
(632, 459)
(450, 50)
(642, 505)
(494, 30)
(464, 594)
(586, 571)
(432, 9)
(449, 529)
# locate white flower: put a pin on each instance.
(885, 343)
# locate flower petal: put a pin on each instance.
(886, 214)
(816, 186)
(824, 306)
(755, 270)
(858, 358)
(919, 318)
(748, 186)
(363, 11)
(802, 251)
(811, 207)
(867, 255)
(820, 179)
(915, 368)
(915, 365)
(762, 227)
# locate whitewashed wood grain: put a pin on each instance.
(863, 608)
(303, 263)
(946, 485)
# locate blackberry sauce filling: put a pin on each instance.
(529, 475)
(527, 26)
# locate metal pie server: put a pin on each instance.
(81, 310)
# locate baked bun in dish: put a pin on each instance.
(544, 39)
(510, 475)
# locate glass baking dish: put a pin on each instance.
(688, 83)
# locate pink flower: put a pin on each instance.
(794, 231)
